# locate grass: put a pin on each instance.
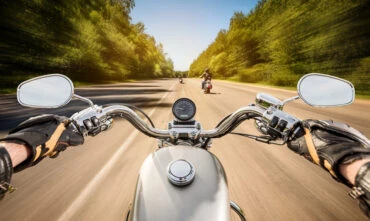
(363, 96)
(13, 90)
(236, 79)
(8, 90)
(82, 84)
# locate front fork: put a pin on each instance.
(238, 210)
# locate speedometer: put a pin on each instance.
(184, 109)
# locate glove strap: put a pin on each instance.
(315, 157)
(311, 146)
(6, 171)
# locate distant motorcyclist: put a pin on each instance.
(207, 75)
(338, 148)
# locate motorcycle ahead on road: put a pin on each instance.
(207, 86)
(182, 180)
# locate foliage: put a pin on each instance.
(281, 40)
(88, 40)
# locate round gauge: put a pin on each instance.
(184, 109)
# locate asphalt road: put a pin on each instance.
(96, 181)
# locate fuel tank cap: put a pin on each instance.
(180, 172)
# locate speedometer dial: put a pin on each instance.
(184, 109)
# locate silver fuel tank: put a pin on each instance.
(205, 198)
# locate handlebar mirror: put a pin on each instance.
(325, 91)
(48, 91)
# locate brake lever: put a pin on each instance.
(262, 139)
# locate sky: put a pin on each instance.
(186, 27)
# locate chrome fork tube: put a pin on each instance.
(238, 210)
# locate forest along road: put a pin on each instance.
(96, 181)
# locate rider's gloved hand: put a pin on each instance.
(331, 144)
(46, 135)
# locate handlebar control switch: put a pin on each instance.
(95, 121)
(281, 124)
(274, 121)
(88, 124)
(91, 121)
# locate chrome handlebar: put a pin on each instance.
(82, 120)
(135, 120)
(223, 127)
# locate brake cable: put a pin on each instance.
(238, 121)
(134, 108)
(263, 139)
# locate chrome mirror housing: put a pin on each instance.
(48, 91)
(322, 90)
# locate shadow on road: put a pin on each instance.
(12, 113)
(213, 93)
(93, 92)
(122, 86)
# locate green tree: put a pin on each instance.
(281, 40)
(87, 40)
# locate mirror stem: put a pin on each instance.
(84, 99)
(290, 99)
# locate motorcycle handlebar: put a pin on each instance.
(223, 128)
(100, 119)
(142, 126)
(135, 120)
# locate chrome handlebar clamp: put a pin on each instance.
(188, 130)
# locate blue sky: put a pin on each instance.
(186, 28)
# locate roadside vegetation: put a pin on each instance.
(281, 40)
(88, 40)
(95, 41)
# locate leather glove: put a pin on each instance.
(6, 171)
(46, 135)
(330, 144)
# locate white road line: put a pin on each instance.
(94, 183)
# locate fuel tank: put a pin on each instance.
(205, 198)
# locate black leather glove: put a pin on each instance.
(46, 135)
(6, 171)
(361, 190)
(330, 144)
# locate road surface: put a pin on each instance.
(96, 181)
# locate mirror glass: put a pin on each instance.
(325, 90)
(47, 91)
